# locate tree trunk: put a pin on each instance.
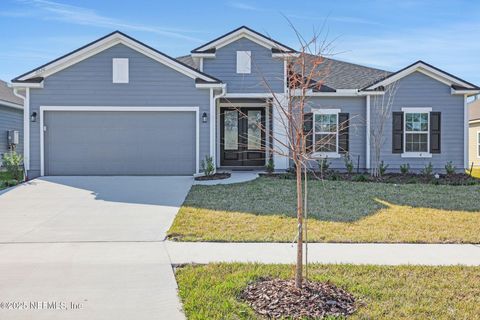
(299, 268)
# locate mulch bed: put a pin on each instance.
(399, 178)
(277, 298)
(216, 176)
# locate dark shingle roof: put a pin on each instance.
(6, 94)
(335, 74)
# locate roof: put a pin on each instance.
(7, 97)
(474, 110)
(243, 31)
(36, 75)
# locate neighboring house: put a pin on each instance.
(119, 107)
(11, 118)
(474, 132)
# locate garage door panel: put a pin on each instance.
(119, 143)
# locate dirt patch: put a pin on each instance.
(276, 298)
(216, 176)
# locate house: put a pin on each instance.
(117, 106)
(474, 132)
(11, 119)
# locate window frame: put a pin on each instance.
(317, 154)
(244, 62)
(120, 70)
(416, 154)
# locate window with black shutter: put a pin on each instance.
(397, 132)
(343, 132)
(435, 126)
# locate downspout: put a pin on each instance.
(26, 129)
(213, 119)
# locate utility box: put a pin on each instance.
(13, 137)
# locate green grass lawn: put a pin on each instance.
(386, 292)
(339, 211)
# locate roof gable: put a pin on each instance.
(243, 32)
(454, 82)
(102, 44)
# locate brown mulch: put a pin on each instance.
(216, 176)
(277, 298)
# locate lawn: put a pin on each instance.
(339, 211)
(385, 292)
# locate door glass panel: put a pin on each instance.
(254, 130)
(231, 130)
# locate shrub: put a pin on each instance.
(208, 167)
(323, 165)
(450, 168)
(11, 183)
(382, 168)
(12, 162)
(404, 168)
(270, 166)
(428, 169)
(360, 178)
(348, 163)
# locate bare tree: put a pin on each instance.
(381, 112)
(306, 71)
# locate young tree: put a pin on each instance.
(306, 71)
(381, 111)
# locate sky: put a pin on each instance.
(386, 34)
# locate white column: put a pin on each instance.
(367, 137)
(280, 133)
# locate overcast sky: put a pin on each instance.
(387, 34)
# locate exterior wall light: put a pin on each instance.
(33, 117)
(204, 117)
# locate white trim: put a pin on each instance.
(465, 132)
(337, 93)
(478, 144)
(27, 85)
(409, 154)
(26, 127)
(208, 85)
(11, 104)
(242, 33)
(202, 55)
(465, 92)
(286, 55)
(325, 155)
(113, 109)
(425, 69)
(337, 133)
(474, 121)
(367, 152)
(250, 95)
(102, 45)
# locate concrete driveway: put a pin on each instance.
(89, 248)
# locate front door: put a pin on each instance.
(242, 136)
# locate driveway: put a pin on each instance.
(89, 248)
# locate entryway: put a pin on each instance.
(242, 136)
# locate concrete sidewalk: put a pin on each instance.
(381, 254)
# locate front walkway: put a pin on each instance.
(382, 254)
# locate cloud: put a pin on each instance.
(245, 6)
(51, 10)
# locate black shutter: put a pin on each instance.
(435, 121)
(308, 131)
(343, 138)
(397, 132)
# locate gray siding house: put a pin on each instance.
(11, 119)
(117, 106)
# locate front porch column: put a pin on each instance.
(279, 133)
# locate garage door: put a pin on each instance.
(119, 142)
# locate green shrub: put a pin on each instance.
(12, 162)
(348, 163)
(11, 182)
(404, 168)
(450, 168)
(208, 167)
(360, 178)
(428, 169)
(270, 166)
(382, 168)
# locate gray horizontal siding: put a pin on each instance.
(10, 119)
(89, 83)
(418, 90)
(224, 67)
(356, 107)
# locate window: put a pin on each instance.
(120, 70)
(244, 61)
(325, 135)
(416, 132)
(478, 144)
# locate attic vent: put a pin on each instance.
(120, 70)
(244, 61)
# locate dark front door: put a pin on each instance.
(242, 136)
